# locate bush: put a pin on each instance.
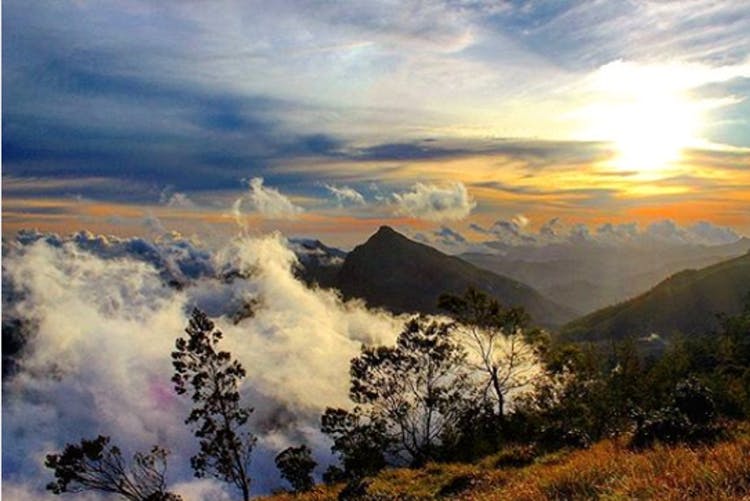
(558, 436)
(688, 418)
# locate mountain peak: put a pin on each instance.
(386, 230)
(386, 234)
(392, 271)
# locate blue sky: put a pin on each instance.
(112, 108)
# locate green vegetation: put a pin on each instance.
(583, 395)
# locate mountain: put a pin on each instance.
(401, 275)
(319, 263)
(687, 302)
(590, 276)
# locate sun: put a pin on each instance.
(647, 115)
(650, 133)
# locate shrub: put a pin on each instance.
(689, 417)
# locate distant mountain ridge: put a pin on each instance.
(686, 302)
(593, 276)
(391, 271)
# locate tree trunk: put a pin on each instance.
(498, 393)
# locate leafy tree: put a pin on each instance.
(94, 465)
(213, 379)
(296, 465)
(416, 389)
(360, 442)
(501, 340)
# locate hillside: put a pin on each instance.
(396, 273)
(587, 277)
(687, 302)
(605, 471)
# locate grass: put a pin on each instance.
(606, 471)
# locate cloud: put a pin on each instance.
(105, 322)
(435, 203)
(508, 232)
(445, 239)
(346, 195)
(177, 200)
(711, 234)
(520, 220)
(270, 203)
(664, 232)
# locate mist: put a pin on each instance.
(104, 320)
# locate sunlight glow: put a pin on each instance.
(647, 113)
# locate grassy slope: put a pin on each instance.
(605, 471)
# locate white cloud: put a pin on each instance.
(435, 203)
(520, 220)
(663, 232)
(99, 360)
(346, 195)
(710, 234)
(270, 202)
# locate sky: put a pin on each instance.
(328, 119)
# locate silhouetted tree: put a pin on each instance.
(296, 466)
(213, 379)
(360, 442)
(417, 388)
(498, 336)
(94, 465)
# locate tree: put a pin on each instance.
(416, 389)
(360, 442)
(219, 420)
(296, 466)
(94, 465)
(497, 335)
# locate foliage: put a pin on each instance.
(296, 465)
(213, 379)
(418, 388)
(412, 398)
(94, 465)
(360, 442)
(688, 418)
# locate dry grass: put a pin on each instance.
(606, 471)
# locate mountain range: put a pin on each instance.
(687, 302)
(393, 272)
(589, 276)
(396, 273)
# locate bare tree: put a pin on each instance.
(94, 465)
(500, 340)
